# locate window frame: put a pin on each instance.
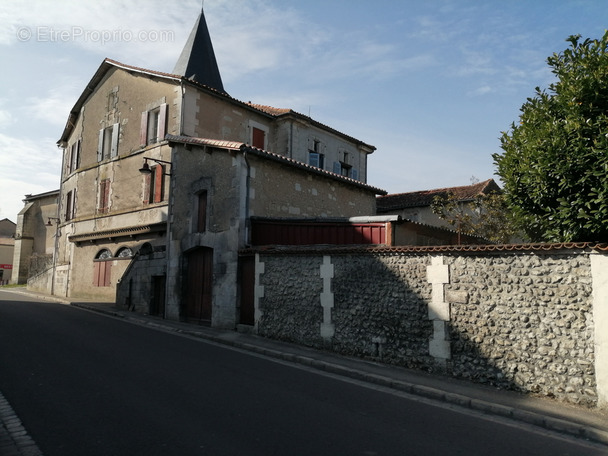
(153, 133)
(107, 146)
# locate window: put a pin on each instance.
(70, 205)
(258, 135)
(108, 142)
(153, 125)
(201, 224)
(124, 252)
(104, 197)
(315, 157)
(73, 157)
(258, 138)
(345, 170)
(154, 187)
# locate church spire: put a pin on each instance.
(197, 60)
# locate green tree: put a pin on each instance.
(554, 163)
(486, 216)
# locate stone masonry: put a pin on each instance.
(515, 320)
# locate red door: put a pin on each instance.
(199, 285)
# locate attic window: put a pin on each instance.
(315, 157)
(258, 138)
(153, 125)
(108, 142)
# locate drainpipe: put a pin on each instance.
(62, 145)
(247, 193)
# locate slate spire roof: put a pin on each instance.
(197, 60)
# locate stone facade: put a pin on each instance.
(520, 321)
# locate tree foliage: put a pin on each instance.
(554, 163)
(486, 216)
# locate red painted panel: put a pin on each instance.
(314, 233)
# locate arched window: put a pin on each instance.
(146, 249)
(124, 252)
(103, 254)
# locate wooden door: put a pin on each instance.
(247, 267)
(199, 286)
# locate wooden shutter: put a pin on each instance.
(147, 180)
(69, 201)
(354, 174)
(115, 131)
(100, 145)
(257, 138)
(337, 167)
(74, 201)
(143, 129)
(159, 177)
(162, 121)
(104, 196)
(78, 153)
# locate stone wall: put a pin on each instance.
(516, 320)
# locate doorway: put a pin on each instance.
(199, 283)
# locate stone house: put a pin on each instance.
(7, 244)
(35, 236)
(416, 206)
(161, 173)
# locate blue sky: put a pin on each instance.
(430, 83)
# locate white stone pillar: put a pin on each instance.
(599, 274)
(327, 298)
(258, 291)
(438, 274)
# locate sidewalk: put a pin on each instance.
(543, 412)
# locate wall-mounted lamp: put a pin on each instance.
(145, 169)
(49, 223)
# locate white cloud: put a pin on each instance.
(54, 107)
(28, 167)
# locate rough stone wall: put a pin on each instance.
(294, 314)
(524, 322)
(380, 308)
(521, 321)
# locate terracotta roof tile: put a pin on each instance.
(421, 198)
(468, 248)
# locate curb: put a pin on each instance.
(549, 423)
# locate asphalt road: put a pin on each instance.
(84, 384)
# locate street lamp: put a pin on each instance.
(145, 169)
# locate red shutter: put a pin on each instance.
(257, 138)
(158, 183)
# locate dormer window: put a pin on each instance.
(315, 157)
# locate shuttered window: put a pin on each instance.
(153, 127)
(104, 197)
(107, 146)
(258, 138)
(154, 187)
(70, 205)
